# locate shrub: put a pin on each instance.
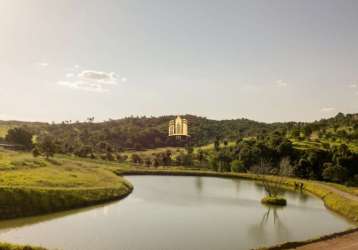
(238, 166)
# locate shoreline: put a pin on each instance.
(85, 197)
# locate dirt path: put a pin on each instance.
(343, 242)
(340, 192)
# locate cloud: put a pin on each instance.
(97, 76)
(42, 64)
(82, 85)
(327, 110)
(281, 83)
(91, 80)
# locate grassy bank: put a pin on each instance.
(31, 186)
(337, 203)
(6, 246)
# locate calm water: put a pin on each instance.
(180, 213)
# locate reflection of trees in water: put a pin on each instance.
(199, 184)
(303, 197)
(237, 184)
(274, 225)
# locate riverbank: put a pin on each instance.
(32, 186)
(6, 246)
(342, 240)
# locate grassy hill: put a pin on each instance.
(137, 133)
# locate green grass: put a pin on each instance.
(30, 186)
(276, 201)
(6, 246)
(309, 145)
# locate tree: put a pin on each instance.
(272, 188)
(136, 159)
(334, 173)
(238, 166)
(217, 144)
(47, 146)
(36, 152)
(20, 136)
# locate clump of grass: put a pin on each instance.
(276, 201)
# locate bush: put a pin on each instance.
(20, 136)
(276, 201)
(238, 166)
(334, 173)
(36, 152)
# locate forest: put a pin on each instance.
(321, 150)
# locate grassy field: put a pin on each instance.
(30, 186)
(304, 145)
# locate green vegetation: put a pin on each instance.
(6, 246)
(276, 201)
(77, 164)
(30, 186)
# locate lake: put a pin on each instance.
(171, 212)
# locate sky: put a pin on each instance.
(267, 60)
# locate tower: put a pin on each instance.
(178, 128)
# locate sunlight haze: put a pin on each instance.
(264, 60)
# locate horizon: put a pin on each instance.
(168, 115)
(274, 61)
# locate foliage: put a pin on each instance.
(35, 186)
(277, 201)
(20, 136)
(47, 146)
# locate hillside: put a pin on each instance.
(151, 132)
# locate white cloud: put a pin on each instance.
(353, 86)
(81, 85)
(90, 80)
(76, 66)
(42, 64)
(98, 76)
(281, 83)
(327, 109)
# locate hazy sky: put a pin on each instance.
(268, 60)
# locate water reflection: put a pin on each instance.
(181, 213)
(270, 221)
(199, 184)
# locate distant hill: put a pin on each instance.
(151, 132)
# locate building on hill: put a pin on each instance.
(178, 127)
